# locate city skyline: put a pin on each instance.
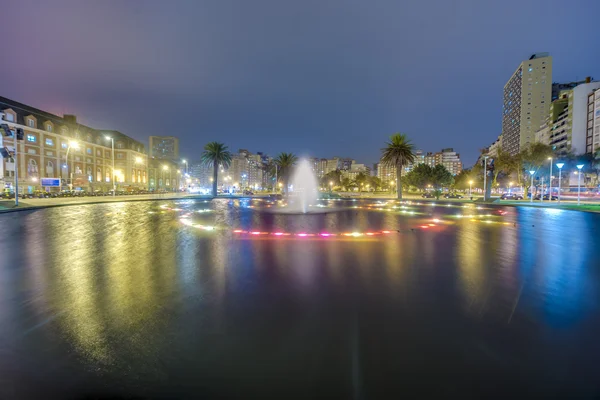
(279, 79)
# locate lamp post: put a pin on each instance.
(485, 178)
(186, 165)
(330, 186)
(579, 183)
(510, 187)
(550, 184)
(75, 146)
(165, 168)
(559, 166)
(112, 141)
(470, 188)
(531, 187)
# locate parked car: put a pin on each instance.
(248, 193)
(427, 195)
(511, 196)
(453, 196)
(276, 196)
(546, 197)
(41, 194)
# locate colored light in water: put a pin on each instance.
(238, 231)
(208, 228)
(436, 220)
(424, 226)
(255, 233)
(302, 234)
(369, 233)
(325, 234)
(278, 233)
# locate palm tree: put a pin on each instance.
(398, 153)
(216, 154)
(284, 164)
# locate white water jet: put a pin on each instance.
(304, 189)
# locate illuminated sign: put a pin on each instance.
(50, 181)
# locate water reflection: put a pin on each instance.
(136, 297)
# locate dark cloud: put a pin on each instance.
(320, 77)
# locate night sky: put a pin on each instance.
(322, 78)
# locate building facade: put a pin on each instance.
(593, 128)
(164, 147)
(571, 117)
(526, 102)
(164, 175)
(60, 147)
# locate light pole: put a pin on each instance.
(485, 178)
(330, 186)
(559, 166)
(542, 194)
(138, 161)
(75, 146)
(470, 188)
(186, 165)
(112, 141)
(550, 184)
(531, 187)
(510, 187)
(579, 183)
(165, 168)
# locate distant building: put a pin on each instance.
(593, 129)
(495, 147)
(164, 147)
(49, 138)
(164, 175)
(449, 159)
(527, 98)
(570, 120)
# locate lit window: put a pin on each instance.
(49, 142)
(31, 123)
(88, 150)
(64, 145)
(119, 155)
(31, 138)
(49, 128)
(530, 69)
(9, 117)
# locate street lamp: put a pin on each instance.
(75, 146)
(559, 166)
(471, 189)
(330, 186)
(550, 184)
(485, 178)
(579, 183)
(510, 187)
(531, 187)
(112, 141)
(186, 165)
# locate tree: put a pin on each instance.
(285, 162)
(441, 177)
(346, 184)
(420, 176)
(334, 177)
(361, 180)
(504, 164)
(399, 152)
(216, 154)
(461, 181)
(374, 182)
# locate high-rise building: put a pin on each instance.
(164, 147)
(570, 117)
(593, 130)
(449, 159)
(527, 98)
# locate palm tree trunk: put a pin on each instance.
(215, 176)
(399, 180)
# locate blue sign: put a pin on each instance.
(50, 182)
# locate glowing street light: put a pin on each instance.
(559, 166)
(579, 183)
(112, 141)
(165, 167)
(531, 187)
(139, 160)
(75, 145)
(330, 186)
(550, 184)
(470, 189)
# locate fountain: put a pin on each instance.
(304, 189)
